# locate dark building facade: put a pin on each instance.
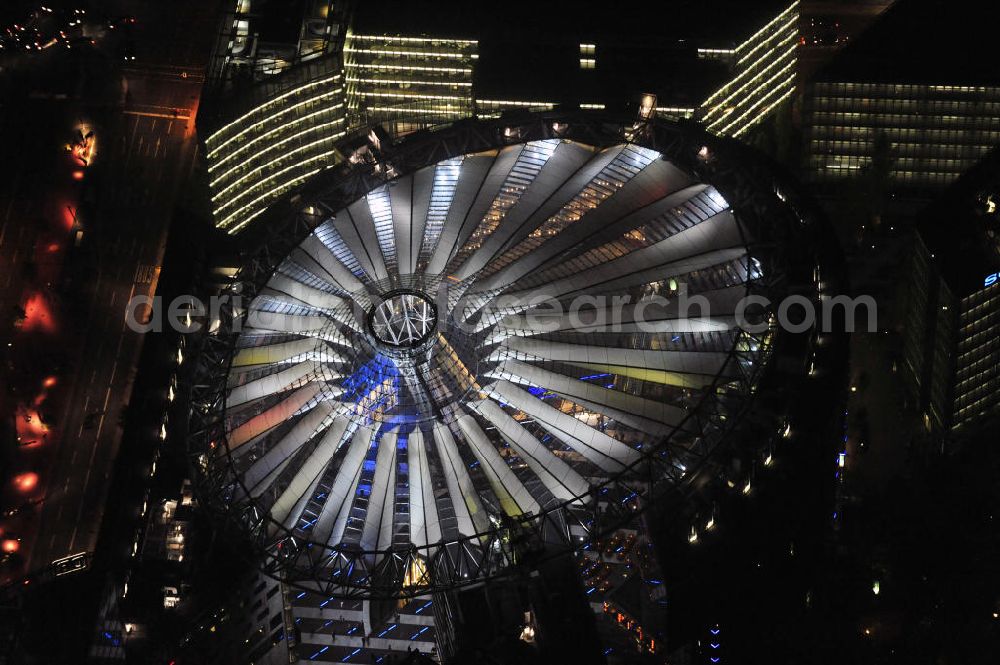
(950, 348)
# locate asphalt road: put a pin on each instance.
(145, 152)
(136, 200)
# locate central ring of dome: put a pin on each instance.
(404, 319)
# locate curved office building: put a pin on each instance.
(490, 336)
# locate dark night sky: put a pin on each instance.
(530, 49)
(926, 41)
(665, 20)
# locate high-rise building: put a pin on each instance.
(276, 139)
(763, 71)
(977, 380)
(282, 95)
(260, 39)
(938, 106)
(951, 351)
(418, 77)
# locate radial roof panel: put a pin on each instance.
(384, 412)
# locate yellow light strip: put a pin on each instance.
(507, 102)
(405, 82)
(211, 139)
(246, 221)
(776, 37)
(272, 118)
(394, 38)
(415, 109)
(750, 69)
(592, 106)
(413, 68)
(767, 110)
(742, 115)
(403, 95)
(418, 54)
(776, 19)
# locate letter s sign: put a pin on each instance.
(992, 279)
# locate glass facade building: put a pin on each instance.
(951, 319)
(977, 380)
(936, 132)
(410, 77)
(763, 71)
(281, 135)
(924, 76)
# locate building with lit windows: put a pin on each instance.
(278, 136)
(939, 106)
(286, 83)
(261, 39)
(951, 352)
(395, 424)
(423, 78)
(763, 73)
(977, 379)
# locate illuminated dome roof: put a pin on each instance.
(451, 341)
